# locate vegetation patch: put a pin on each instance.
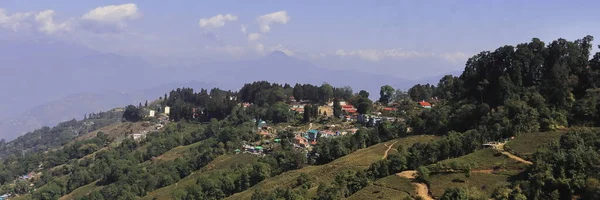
(478, 185)
(526, 144)
(379, 192)
(484, 159)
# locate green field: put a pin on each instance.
(526, 144)
(484, 159)
(221, 164)
(180, 151)
(390, 187)
(378, 192)
(358, 160)
(490, 169)
(397, 183)
(479, 185)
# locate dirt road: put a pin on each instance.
(423, 191)
(512, 156)
(421, 188)
(388, 150)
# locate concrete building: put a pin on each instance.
(167, 110)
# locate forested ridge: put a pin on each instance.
(513, 90)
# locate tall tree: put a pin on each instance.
(386, 93)
(337, 108)
(363, 94)
(325, 92)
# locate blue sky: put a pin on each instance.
(397, 37)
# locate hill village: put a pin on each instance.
(304, 139)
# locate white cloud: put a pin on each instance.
(47, 24)
(254, 36)
(376, 55)
(281, 48)
(260, 48)
(243, 29)
(109, 19)
(456, 57)
(113, 13)
(16, 21)
(216, 21)
(265, 21)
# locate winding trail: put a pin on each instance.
(388, 150)
(421, 188)
(512, 156)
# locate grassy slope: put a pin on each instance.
(215, 168)
(525, 145)
(486, 159)
(483, 180)
(177, 152)
(390, 187)
(81, 191)
(358, 160)
(378, 192)
(478, 185)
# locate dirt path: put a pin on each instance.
(483, 171)
(517, 158)
(423, 191)
(421, 188)
(512, 156)
(409, 174)
(388, 150)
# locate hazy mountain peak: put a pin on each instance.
(278, 54)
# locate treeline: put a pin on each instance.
(526, 88)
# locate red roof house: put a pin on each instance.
(425, 104)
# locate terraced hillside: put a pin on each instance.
(359, 160)
(390, 187)
(222, 164)
(526, 144)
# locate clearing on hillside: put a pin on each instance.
(526, 144)
(478, 185)
(484, 159)
(390, 187)
(220, 165)
(358, 160)
(490, 169)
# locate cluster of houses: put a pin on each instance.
(163, 119)
(250, 149)
(311, 137)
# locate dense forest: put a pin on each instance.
(507, 92)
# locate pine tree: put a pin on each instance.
(146, 104)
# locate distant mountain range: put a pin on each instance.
(49, 82)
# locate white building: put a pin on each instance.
(141, 135)
(151, 113)
(167, 110)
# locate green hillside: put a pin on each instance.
(359, 160)
(278, 141)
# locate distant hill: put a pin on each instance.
(75, 106)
